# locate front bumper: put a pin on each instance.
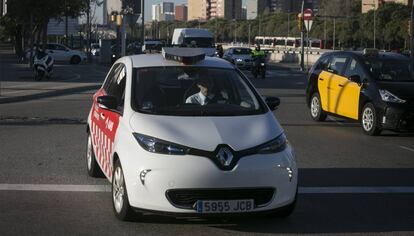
(192, 174)
(398, 118)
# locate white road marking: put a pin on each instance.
(302, 190)
(355, 190)
(407, 148)
(55, 188)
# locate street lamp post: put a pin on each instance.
(412, 37)
(375, 20)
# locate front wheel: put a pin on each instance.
(369, 120)
(123, 211)
(75, 60)
(316, 111)
(92, 165)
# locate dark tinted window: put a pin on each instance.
(355, 68)
(116, 86)
(242, 51)
(323, 63)
(199, 42)
(337, 64)
(390, 69)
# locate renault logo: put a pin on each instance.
(225, 156)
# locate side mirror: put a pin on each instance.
(272, 102)
(356, 79)
(107, 102)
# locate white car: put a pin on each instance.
(182, 133)
(61, 53)
(240, 57)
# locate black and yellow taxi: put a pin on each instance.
(375, 88)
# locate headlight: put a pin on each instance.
(276, 145)
(154, 145)
(389, 97)
(262, 64)
(239, 60)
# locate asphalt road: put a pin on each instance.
(349, 183)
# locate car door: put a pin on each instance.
(104, 122)
(330, 82)
(348, 104)
(62, 53)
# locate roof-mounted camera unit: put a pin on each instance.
(184, 55)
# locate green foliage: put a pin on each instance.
(353, 29)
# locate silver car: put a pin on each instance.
(239, 56)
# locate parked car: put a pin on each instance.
(61, 53)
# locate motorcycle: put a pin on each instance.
(259, 68)
(43, 66)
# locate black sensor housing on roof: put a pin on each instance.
(184, 55)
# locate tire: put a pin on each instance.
(122, 210)
(92, 166)
(263, 71)
(369, 120)
(75, 60)
(286, 211)
(316, 111)
(39, 75)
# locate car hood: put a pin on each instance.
(403, 90)
(206, 133)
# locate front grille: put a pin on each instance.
(186, 198)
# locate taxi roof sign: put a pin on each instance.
(184, 55)
(371, 52)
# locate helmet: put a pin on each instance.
(257, 47)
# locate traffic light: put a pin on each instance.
(300, 22)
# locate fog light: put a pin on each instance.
(290, 173)
(143, 174)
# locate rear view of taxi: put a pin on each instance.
(185, 134)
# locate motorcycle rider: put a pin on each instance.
(220, 50)
(258, 57)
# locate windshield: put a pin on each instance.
(199, 42)
(193, 91)
(242, 51)
(390, 70)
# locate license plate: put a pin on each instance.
(225, 206)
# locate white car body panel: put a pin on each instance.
(195, 172)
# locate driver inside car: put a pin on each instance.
(205, 96)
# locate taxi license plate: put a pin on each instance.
(225, 206)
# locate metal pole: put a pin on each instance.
(260, 26)
(249, 33)
(325, 38)
(302, 36)
(288, 29)
(123, 35)
(334, 34)
(375, 26)
(143, 22)
(412, 38)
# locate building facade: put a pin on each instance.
(156, 12)
(163, 11)
(368, 5)
(181, 13)
(256, 7)
(211, 9)
(167, 7)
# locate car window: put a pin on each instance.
(116, 86)
(354, 68)
(390, 69)
(60, 47)
(50, 47)
(113, 73)
(194, 91)
(323, 63)
(337, 64)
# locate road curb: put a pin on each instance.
(54, 93)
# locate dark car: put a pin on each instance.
(374, 88)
